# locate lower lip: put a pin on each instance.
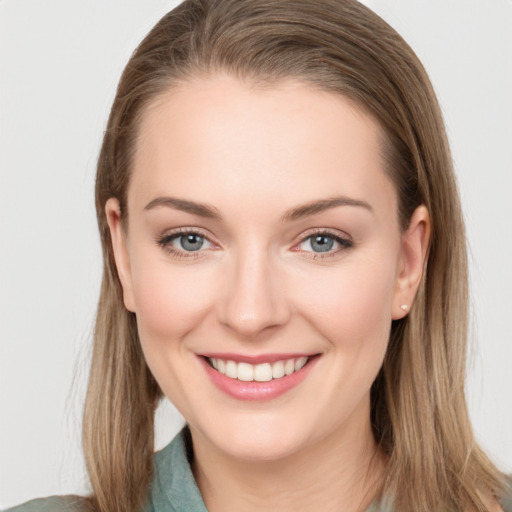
(257, 391)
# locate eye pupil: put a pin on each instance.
(322, 243)
(191, 242)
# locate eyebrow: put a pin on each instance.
(298, 212)
(323, 204)
(200, 209)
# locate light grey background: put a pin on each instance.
(60, 61)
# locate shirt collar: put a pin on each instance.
(174, 487)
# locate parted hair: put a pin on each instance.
(418, 407)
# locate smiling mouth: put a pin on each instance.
(263, 372)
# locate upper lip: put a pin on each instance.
(255, 359)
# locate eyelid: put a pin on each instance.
(184, 231)
(335, 233)
(164, 241)
(340, 237)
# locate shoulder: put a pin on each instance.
(54, 504)
(174, 487)
(506, 497)
(506, 503)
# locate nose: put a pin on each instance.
(254, 300)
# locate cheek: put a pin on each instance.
(170, 300)
(352, 304)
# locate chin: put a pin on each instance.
(257, 440)
(262, 448)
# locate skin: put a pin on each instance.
(257, 286)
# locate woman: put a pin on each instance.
(272, 195)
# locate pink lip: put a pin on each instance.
(256, 391)
(263, 358)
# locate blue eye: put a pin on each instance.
(322, 243)
(188, 241)
(183, 243)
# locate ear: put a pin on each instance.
(413, 254)
(121, 254)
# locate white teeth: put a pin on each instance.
(231, 369)
(300, 362)
(289, 366)
(245, 372)
(263, 372)
(278, 370)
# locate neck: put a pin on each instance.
(341, 472)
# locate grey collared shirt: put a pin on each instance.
(173, 489)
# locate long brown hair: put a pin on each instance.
(419, 413)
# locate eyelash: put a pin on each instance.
(165, 243)
(344, 243)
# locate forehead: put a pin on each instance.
(219, 137)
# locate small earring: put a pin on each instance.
(404, 307)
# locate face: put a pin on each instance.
(264, 261)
